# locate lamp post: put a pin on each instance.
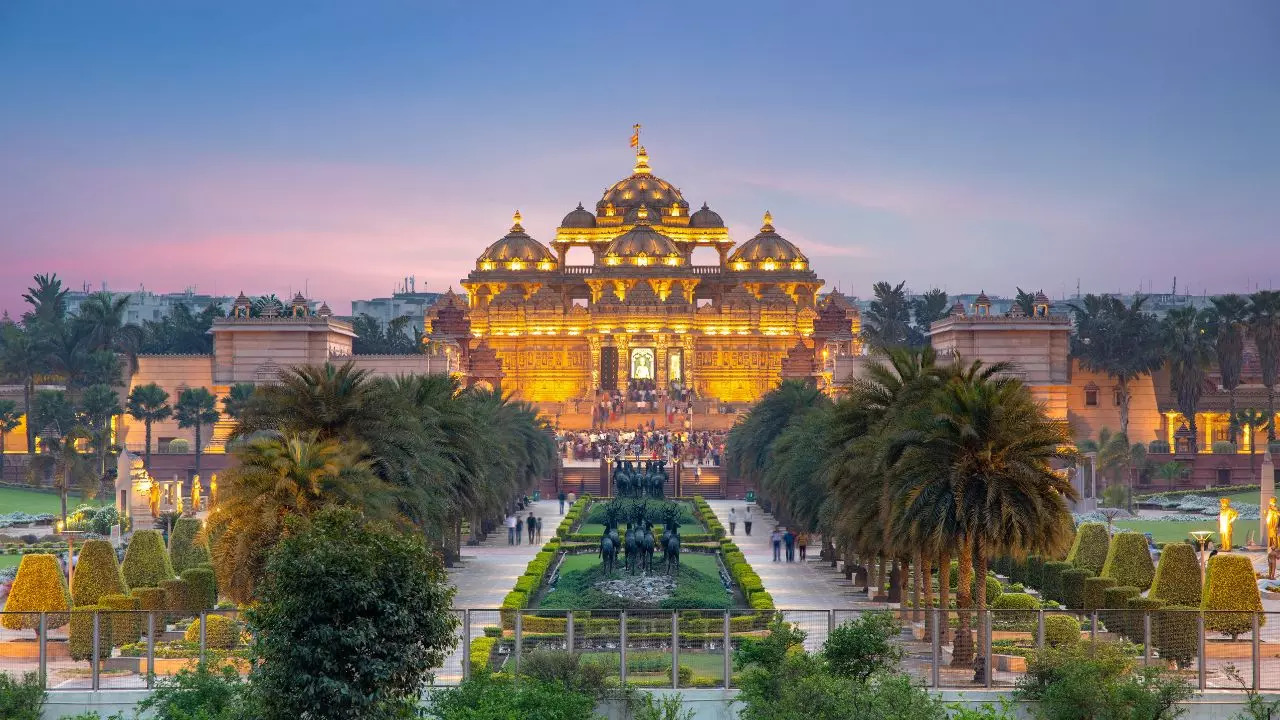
(1202, 540)
(60, 529)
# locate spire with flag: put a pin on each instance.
(635, 135)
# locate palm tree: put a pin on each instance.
(277, 477)
(1189, 351)
(102, 315)
(1264, 325)
(148, 404)
(1116, 457)
(1171, 471)
(1252, 422)
(48, 301)
(98, 406)
(886, 322)
(23, 355)
(1227, 327)
(927, 309)
(1122, 341)
(1025, 301)
(237, 399)
(748, 446)
(10, 419)
(196, 408)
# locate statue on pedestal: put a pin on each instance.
(1273, 537)
(1226, 517)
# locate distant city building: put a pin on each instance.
(147, 305)
(405, 301)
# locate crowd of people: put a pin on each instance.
(642, 396)
(704, 447)
(520, 525)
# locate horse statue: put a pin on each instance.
(672, 554)
(608, 553)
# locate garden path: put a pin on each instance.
(488, 571)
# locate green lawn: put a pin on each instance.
(1177, 531)
(36, 502)
(597, 529)
(697, 585)
(703, 664)
(8, 561)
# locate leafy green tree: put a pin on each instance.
(195, 409)
(339, 588)
(864, 646)
(103, 317)
(10, 419)
(1189, 349)
(393, 338)
(1116, 457)
(926, 309)
(887, 321)
(23, 356)
(205, 692)
(1122, 341)
(1227, 325)
(237, 399)
(98, 406)
(148, 404)
(181, 331)
(1264, 326)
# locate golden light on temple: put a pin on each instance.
(486, 264)
(769, 264)
(545, 264)
(516, 264)
(740, 265)
(642, 260)
(673, 260)
(612, 260)
(797, 265)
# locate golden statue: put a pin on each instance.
(178, 501)
(1226, 517)
(153, 496)
(195, 494)
(1273, 524)
(213, 490)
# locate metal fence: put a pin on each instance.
(83, 650)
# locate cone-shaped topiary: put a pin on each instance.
(1129, 561)
(1176, 635)
(1051, 586)
(1073, 587)
(1177, 580)
(81, 640)
(1139, 607)
(1231, 586)
(179, 600)
(187, 546)
(146, 562)
(201, 585)
(1089, 549)
(1115, 603)
(97, 573)
(126, 623)
(39, 587)
(150, 599)
(1093, 589)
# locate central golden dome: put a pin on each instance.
(642, 187)
(642, 245)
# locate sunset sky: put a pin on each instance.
(265, 146)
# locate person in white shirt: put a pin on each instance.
(511, 529)
(733, 520)
(746, 520)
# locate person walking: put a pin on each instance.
(538, 521)
(733, 520)
(519, 528)
(746, 520)
(511, 529)
(789, 539)
(532, 526)
(776, 539)
(802, 541)
(561, 502)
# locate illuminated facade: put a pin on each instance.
(641, 311)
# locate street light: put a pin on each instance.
(1202, 538)
(61, 531)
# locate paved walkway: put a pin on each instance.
(488, 571)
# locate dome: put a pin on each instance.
(705, 217)
(579, 218)
(765, 248)
(516, 251)
(642, 240)
(642, 187)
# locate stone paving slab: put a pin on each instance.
(488, 571)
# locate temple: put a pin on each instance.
(642, 314)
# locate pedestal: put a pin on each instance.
(1268, 484)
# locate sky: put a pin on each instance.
(340, 146)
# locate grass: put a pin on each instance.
(37, 502)
(1177, 531)
(703, 664)
(8, 561)
(598, 529)
(697, 585)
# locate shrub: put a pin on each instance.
(1231, 587)
(1093, 589)
(179, 446)
(222, 632)
(1129, 561)
(1089, 549)
(97, 573)
(1051, 586)
(1099, 680)
(1035, 570)
(1177, 580)
(1158, 447)
(1115, 603)
(499, 695)
(481, 649)
(863, 646)
(1009, 602)
(81, 637)
(39, 587)
(1073, 587)
(179, 599)
(21, 699)
(202, 586)
(187, 546)
(126, 626)
(149, 598)
(994, 589)
(146, 562)
(1176, 634)
(1061, 630)
(1139, 607)
(1224, 447)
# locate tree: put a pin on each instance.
(1226, 325)
(1116, 458)
(1172, 471)
(1026, 302)
(1189, 349)
(1122, 341)
(103, 314)
(97, 407)
(181, 331)
(927, 309)
(339, 588)
(1264, 325)
(48, 301)
(149, 404)
(887, 320)
(196, 408)
(237, 399)
(10, 419)
(375, 338)
(23, 355)
(1251, 421)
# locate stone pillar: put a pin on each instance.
(660, 362)
(593, 342)
(623, 342)
(1268, 483)
(687, 361)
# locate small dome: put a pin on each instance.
(1041, 298)
(324, 310)
(642, 240)
(516, 251)
(767, 246)
(982, 299)
(579, 218)
(705, 217)
(642, 187)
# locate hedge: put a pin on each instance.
(1139, 607)
(202, 586)
(40, 586)
(1073, 587)
(222, 633)
(150, 599)
(1090, 547)
(181, 599)
(187, 547)
(1093, 590)
(80, 643)
(1129, 561)
(97, 573)
(126, 625)
(1010, 603)
(1176, 634)
(481, 650)
(1051, 586)
(1035, 571)
(1177, 580)
(146, 562)
(1061, 630)
(1231, 587)
(1115, 612)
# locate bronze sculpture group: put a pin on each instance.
(646, 481)
(639, 543)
